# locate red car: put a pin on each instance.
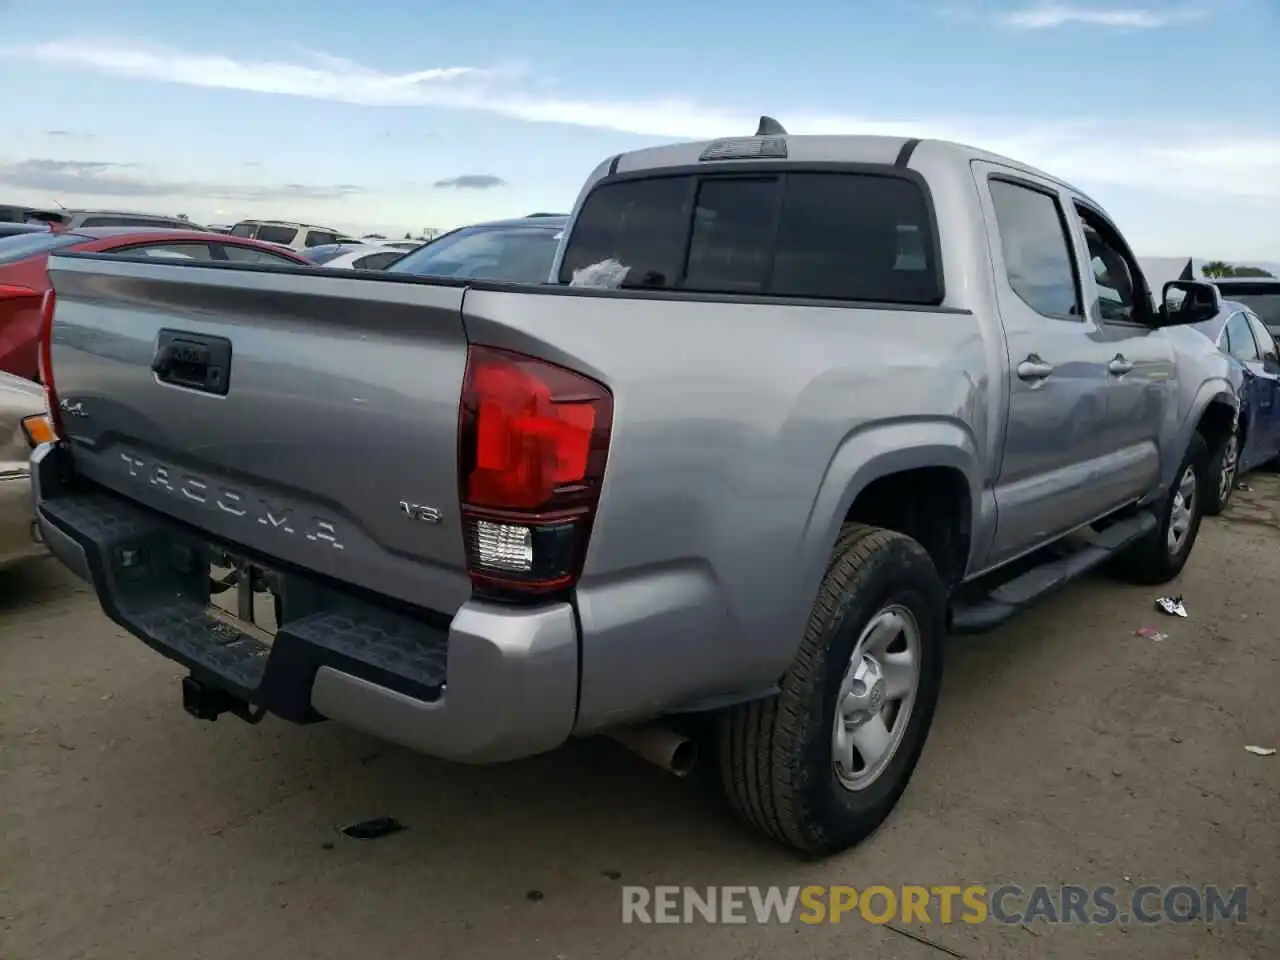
(24, 279)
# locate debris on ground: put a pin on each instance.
(1150, 633)
(1261, 751)
(1243, 486)
(1173, 606)
(534, 895)
(372, 829)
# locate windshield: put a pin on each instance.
(23, 245)
(518, 254)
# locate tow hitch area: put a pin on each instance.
(208, 703)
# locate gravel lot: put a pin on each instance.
(1066, 750)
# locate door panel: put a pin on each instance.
(1055, 473)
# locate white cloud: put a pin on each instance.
(1046, 16)
(1165, 156)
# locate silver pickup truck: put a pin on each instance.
(844, 396)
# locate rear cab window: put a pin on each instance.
(832, 235)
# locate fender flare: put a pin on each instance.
(1215, 390)
(876, 451)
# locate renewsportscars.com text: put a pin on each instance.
(943, 904)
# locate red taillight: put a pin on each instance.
(533, 438)
(44, 360)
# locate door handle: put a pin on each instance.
(1034, 369)
(1119, 366)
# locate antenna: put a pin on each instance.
(60, 204)
(770, 127)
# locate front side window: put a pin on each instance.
(1119, 294)
(1036, 249)
(242, 230)
(1240, 342)
(318, 238)
(1267, 349)
(818, 235)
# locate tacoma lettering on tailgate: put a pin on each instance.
(197, 489)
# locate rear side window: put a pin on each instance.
(319, 238)
(252, 255)
(1037, 252)
(838, 236)
(273, 234)
(23, 245)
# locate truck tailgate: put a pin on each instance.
(334, 422)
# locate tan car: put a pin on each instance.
(24, 423)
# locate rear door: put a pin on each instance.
(1057, 473)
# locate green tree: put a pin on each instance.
(1252, 272)
(1218, 268)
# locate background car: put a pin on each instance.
(519, 251)
(24, 278)
(1241, 335)
(24, 423)
(1259, 294)
(79, 219)
(288, 233)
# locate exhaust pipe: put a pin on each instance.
(659, 745)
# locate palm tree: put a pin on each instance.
(1218, 268)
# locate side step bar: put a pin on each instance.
(1011, 597)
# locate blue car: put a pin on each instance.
(1242, 336)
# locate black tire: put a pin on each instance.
(1150, 561)
(776, 755)
(1224, 458)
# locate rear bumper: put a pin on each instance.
(494, 683)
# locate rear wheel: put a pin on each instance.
(1160, 555)
(821, 765)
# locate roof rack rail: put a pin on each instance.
(530, 216)
(770, 127)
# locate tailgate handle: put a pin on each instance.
(193, 360)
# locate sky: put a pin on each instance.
(395, 116)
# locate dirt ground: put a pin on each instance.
(1066, 750)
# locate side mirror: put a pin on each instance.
(1189, 301)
